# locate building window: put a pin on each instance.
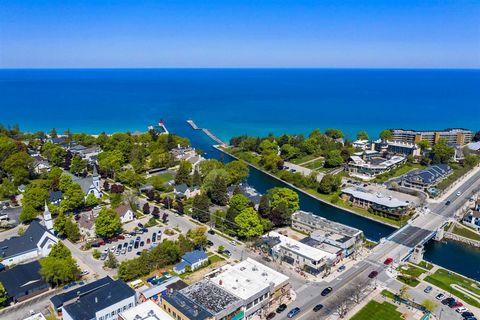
(113, 313)
(119, 310)
(130, 305)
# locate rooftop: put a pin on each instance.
(87, 305)
(211, 297)
(376, 198)
(173, 283)
(189, 308)
(322, 223)
(302, 249)
(22, 278)
(148, 310)
(429, 175)
(249, 277)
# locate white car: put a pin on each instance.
(440, 296)
(458, 193)
(461, 309)
(84, 272)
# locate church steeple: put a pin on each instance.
(47, 217)
(96, 178)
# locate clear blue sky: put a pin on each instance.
(228, 33)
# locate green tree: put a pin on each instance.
(206, 166)
(73, 198)
(237, 204)
(107, 223)
(59, 224)
(183, 173)
(280, 215)
(423, 144)
(198, 236)
(28, 213)
(59, 267)
(362, 135)
(470, 160)
(218, 190)
(130, 178)
(334, 133)
(196, 179)
(18, 166)
(264, 206)
(3, 295)
(267, 147)
(237, 170)
(386, 135)
(310, 146)
(286, 195)
(200, 208)
(72, 231)
(34, 196)
(78, 165)
(54, 153)
(287, 151)
(334, 158)
(91, 200)
(329, 183)
(428, 304)
(210, 181)
(65, 182)
(441, 152)
(111, 161)
(111, 261)
(7, 189)
(184, 244)
(249, 223)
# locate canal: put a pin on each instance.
(451, 255)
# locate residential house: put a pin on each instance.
(251, 193)
(125, 213)
(35, 243)
(184, 191)
(148, 310)
(40, 165)
(472, 218)
(55, 197)
(23, 282)
(103, 303)
(193, 259)
(427, 178)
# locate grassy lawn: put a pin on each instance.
(443, 280)
(408, 280)
(411, 270)
(246, 156)
(303, 159)
(426, 265)
(388, 294)
(214, 258)
(378, 311)
(159, 180)
(458, 171)
(465, 232)
(404, 168)
(314, 164)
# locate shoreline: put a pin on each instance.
(305, 192)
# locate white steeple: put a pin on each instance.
(47, 217)
(96, 178)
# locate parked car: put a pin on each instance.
(271, 315)
(440, 296)
(428, 289)
(209, 243)
(461, 309)
(448, 202)
(456, 305)
(318, 307)
(142, 243)
(388, 261)
(326, 291)
(103, 256)
(267, 259)
(124, 250)
(373, 274)
(211, 231)
(281, 308)
(148, 240)
(140, 225)
(121, 237)
(130, 248)
(446, 301)
(84, 273)
(233, 243)
(135, 245)
(467, 314)
(154, 237)
(119, 247)
(293, 312)
(227, 253)
(341, 268)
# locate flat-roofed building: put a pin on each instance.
(369, 163)
(256, 284)
(363, 198)
(397, 147)
(148, 310)
(312, 260)
(347, 238)
(452, 136)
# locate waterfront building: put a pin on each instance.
(324, 231)
(148, 310)
(472, 219)
(103, 303)
(257, 285)
(251, 193)
(452, 136)
(425, 179)
(298, 254)
(363, 198)
(202, 300)
(369, 163)
(187, 154)
(35, 243)
(397, 148)
(193, 260)
(23, 282)
(361, 144)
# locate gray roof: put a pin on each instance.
(150, 292)
(24, 243)
(22, 278)
(54, 196)
(85, 183)
(189, 308)
(86, 306)
(59, 299)
(379, 199)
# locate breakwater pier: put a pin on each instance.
(207, 132)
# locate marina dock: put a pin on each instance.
(208, 133)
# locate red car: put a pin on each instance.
(121, 237)
(456, 305)
(388, 261)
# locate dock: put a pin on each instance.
(208, 133)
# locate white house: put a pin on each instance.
(193, 259)
(183, 191)
(90, 184)
(35, 243)
(125, 213)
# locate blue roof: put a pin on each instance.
(23, 278)
(59, 299)
(180, 266)
(194, 256)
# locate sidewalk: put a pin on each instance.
(451, 188)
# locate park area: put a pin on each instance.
(378, 311)
(448, 280)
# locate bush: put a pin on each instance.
(96, 254)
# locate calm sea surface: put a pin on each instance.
(256, 102)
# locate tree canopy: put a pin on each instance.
(107, 223)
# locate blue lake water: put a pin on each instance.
(256, 102)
